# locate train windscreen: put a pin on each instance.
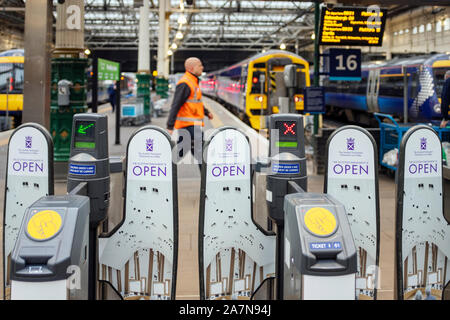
(11, 78)
(439, 80)
(301, 80)
(256, 84)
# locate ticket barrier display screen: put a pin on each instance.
(50, 258)
(320, 255)
(287, 160)
(89, 161)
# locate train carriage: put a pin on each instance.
(252, 87)
(381, 89)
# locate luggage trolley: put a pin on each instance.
(391, 134)
(132, 111)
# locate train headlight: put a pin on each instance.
(437, 108)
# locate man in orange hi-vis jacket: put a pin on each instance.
(187, 110)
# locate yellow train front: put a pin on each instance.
(251, 88)
(11, 85)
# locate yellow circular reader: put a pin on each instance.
(320, 221)
(44, 224)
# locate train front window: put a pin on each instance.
(11, 78)
(301, 81)
(256, 84)
(438, 74)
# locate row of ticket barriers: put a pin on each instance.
(316, 246)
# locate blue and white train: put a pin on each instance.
(381, 89)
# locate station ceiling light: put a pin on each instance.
(182, 19)
(169, 52)
(282, 46)
(313, 36)
(179, 35)
(87, 52)
(174, 46)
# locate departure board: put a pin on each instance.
(349, 26)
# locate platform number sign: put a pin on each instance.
(345, 64)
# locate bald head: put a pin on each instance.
(194, 66)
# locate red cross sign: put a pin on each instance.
(289, 128)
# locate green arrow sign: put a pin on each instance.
(82, 129)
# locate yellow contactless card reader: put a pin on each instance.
(44, 225)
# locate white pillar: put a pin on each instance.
(388, 37)
(144, 39)
(163, 39)
(166, 45)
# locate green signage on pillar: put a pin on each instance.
(108, 70)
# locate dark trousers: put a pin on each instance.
(195, 134)
(113, 104)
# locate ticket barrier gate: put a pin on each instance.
(36, 252)
(50, 260)
(320, 256)
(29, 176)
(149, 196)
(422, 228)
(224, 230)
(138, 257)
(236, 255)
(351, 176)
(316, 256)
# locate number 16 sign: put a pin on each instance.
(345, 64)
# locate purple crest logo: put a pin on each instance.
(423, 144)
(350, 144)
(28, 142)
(228, 144)
(149, 144)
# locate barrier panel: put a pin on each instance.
(235, 254)
(139, 257)
(29, 176)
(351, 176)
(422, 232)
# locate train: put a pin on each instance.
(11, 84)
(251, 88)
(381, 89)
(12, 80)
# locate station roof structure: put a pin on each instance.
(252, 25)
(209, 24)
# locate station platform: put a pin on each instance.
(189, 191)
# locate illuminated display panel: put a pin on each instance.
(85, 134)
(287, 134)
(348, 26)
